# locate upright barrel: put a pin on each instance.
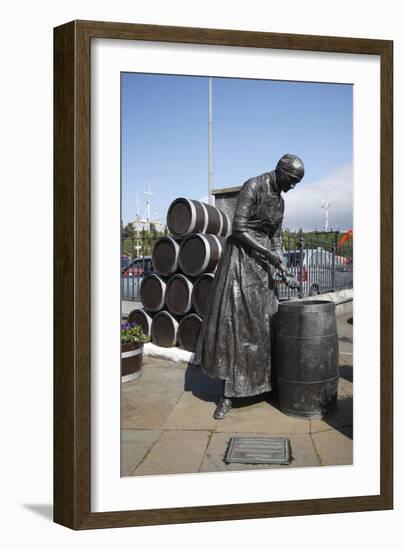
(307, 358)
(200, 253)
(188, 331)
(190, 216)
(178, 295)
(201, 292)
(152, 292)
(165, 256)
(164, 330)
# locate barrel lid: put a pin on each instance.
(165, 255)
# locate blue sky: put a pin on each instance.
(165, 141)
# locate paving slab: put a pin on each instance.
(201, 385)
(343, 418)
(345, 359)
(261, 417)
(191, 413)
(302, 449)
(148, 401)
(345, 332)
(167, 416)
(345, 388)
(155, 362)
(135, 445)
(335, 447)
(175, 452)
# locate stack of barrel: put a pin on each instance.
(175, 296)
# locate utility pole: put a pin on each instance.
(210, 139)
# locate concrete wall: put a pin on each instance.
(343, 300)
(225, 199)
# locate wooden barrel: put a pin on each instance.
(141, 317)
(201, 292)
(188, 331)
(178, 295)
(199, 253)
(152, 292)
(164, 330)
(307, 358)
(190, 216)
(131, 361)
(165, 256)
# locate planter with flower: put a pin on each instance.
(132, 339)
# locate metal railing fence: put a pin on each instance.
(316, 259)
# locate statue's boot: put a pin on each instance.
(223, 408)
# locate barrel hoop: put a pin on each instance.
(301, 382)
(208, 254)
(218, 244)
(193, 212)
(148, 319)
(175, 247)
(307, 337)
(205, 217)
(163, 289)
(145, 315)
(221, 222)
(228, 224)
(132, 353)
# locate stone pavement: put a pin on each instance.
(168, 425)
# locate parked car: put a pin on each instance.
(316, 273)
(133, 275)
(124, 262)
(139, 266)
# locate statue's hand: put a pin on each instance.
(279, 255)
(283, 270)
(287, 277)
(291, 282)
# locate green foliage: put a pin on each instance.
(141, 243)
(128, 231)
(131, 333)
(327, 240)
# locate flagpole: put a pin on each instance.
(210, 139)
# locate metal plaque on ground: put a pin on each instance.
(258, 450)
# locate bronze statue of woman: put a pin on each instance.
(235, 339)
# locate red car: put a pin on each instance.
(139, 267)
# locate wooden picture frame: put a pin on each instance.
(72, 274)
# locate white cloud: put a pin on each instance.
(303, 205)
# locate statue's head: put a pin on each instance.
(289, 171)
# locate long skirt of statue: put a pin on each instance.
(235, 340)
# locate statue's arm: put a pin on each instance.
(276, 246)
(247, 240)
(276, 243)
(244, 209)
